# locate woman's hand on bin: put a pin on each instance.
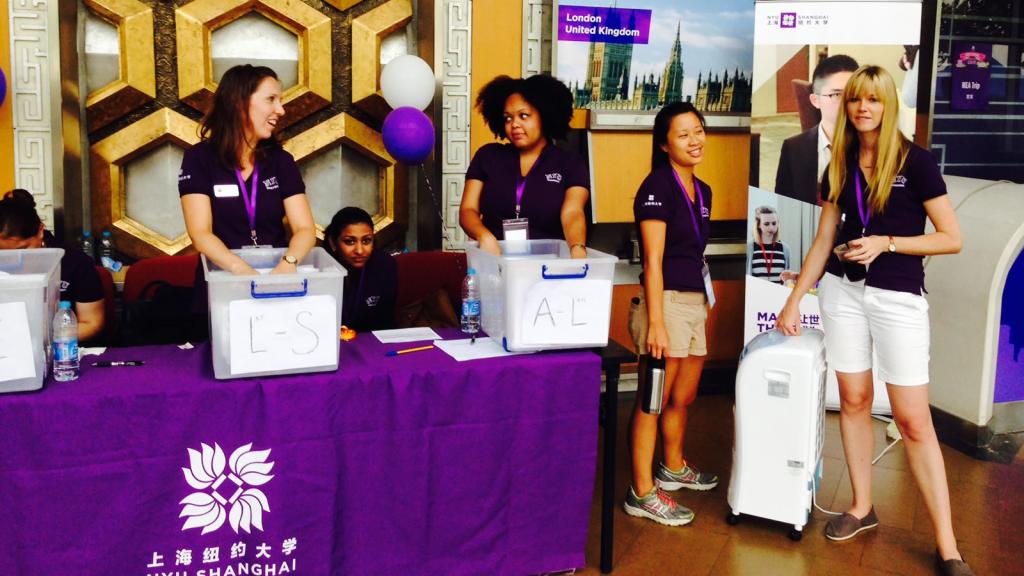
(489, 244)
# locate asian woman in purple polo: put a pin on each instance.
(879, 191)
(528, 188)
(673, 214)
(238, 184)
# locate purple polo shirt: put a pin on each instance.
(279, 179)
(370, 294)
(904, 215)
(554, 172)
(660, 198)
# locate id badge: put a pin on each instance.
(709, 289)
(225, 190)
(516, 229)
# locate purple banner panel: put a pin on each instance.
(971, 73)
(611, 25)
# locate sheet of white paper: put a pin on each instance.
(462, 350)
(16, 358)
(575, 311)
(405, 335)
(91, 351)
(283, 334)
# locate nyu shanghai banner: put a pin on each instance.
(793, 113)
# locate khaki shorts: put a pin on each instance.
(685, 315)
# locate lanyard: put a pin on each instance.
(250, 199)
(689, 204)
(865, 213)
(521, 181)
(767, 258)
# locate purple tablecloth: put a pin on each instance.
(408, 465)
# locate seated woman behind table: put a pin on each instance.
(371, 286)
(21, 227)
(529, 178)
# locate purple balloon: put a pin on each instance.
(3, 87)
(408, 135)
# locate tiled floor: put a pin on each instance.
(987, 500)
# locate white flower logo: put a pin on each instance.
(205, 508)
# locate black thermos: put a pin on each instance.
(652, 388)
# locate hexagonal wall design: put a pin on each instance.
(367, 32)
(130, 149)
(136, 84)
(195, 22)
(358, 138)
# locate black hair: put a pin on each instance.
(552, 99)
(224, 124)
(18, 217)
(344, 217)
(829, 66)
(662, 123)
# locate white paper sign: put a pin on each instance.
(566, 312)
(16, 359)
(463, 350)
(400, 335)
(282, 334)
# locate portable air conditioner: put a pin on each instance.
(780, 417)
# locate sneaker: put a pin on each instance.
(658, 506)
(688, 477)
(952, 567)
(846, 525)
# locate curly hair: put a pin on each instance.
(552, 99)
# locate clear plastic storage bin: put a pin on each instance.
(29, 292)
(275, 324)
(535, 297)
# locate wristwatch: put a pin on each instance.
(892, 245)
(290, 259)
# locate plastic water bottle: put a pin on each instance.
(88, 245)
(471, 303)
(106, 252)
(65, 343)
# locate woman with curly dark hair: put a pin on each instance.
(527, 187)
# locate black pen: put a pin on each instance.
(119, 363)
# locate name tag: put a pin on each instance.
(709, 288)
(225, 190)
(516, 229)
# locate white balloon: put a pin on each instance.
(407, 81)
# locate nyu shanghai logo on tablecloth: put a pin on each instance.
(234, 489)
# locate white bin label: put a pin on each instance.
(16, 359)
(566, 312)
(282, 334)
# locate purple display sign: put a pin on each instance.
(610, 25)
(971, 72)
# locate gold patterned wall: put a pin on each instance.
(138, 124)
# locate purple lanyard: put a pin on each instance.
(865, 213)
(250, 199)
(689, 204)
(521, 181)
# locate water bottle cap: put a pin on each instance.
(106, 233)
(65, 305)
(471, 271)
(87, 234)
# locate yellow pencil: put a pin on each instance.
(407, 350)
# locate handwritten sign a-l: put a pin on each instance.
(566, 312)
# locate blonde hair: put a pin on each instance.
(761, 211)
(892, 147)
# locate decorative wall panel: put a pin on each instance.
(35, 93)
(195, 22)
(368, 31)
(112, 161)
(452, 49)
(136, 81)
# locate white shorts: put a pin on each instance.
(855, 316)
